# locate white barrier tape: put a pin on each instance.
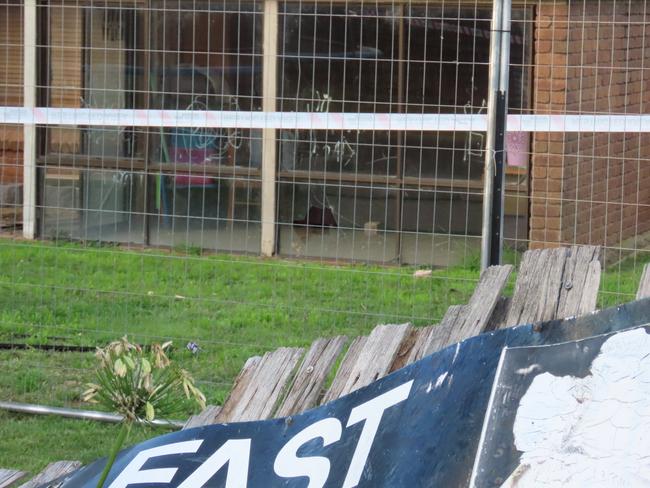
(240, 119)
(579, 123)
(318, 120)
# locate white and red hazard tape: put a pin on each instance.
(319, 121)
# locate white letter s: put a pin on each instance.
(316, 468)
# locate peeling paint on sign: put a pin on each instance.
(592, 431)
(583, 419)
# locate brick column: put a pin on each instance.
(549, 96)
(590, 188)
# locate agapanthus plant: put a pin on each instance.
(141, 385)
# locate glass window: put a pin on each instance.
(338, 221)
(207, 184)
(11, 94)
(411, 58)
(94, 62)
(447, 70)
(93, 205)
(338, 58)
(92, 188)
(202, 186)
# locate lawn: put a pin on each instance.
(232, 306)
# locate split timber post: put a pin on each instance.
(29, 129)
(493, 176)
(269, 148)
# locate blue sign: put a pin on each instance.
(418, 427)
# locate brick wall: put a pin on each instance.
(590, 188)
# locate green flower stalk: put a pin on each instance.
(141, 386)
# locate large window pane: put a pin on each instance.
(411, 58)
(338, 221)
(206, 188)
(338, 58)
(447, 69)
(93, 205)
(217, 214)
(351, 152)
(447, 58)
(94, 62)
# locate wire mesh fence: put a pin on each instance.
(245, 175)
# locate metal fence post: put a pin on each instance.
(493, 176)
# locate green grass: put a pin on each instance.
(619, 283)
(29, 442)
(233, 307)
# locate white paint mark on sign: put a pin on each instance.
(592, 431)
(530, 369)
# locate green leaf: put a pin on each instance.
(90, 393)
(150, 413)
(129, 362)
(119, 367)
(146, 366)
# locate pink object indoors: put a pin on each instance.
(518, 148)
(193, 156)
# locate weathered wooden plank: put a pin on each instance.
(499, 314)
(644, 284)
(474, 317)
(423, 341)
(589, 299)
(256, 398)
(525, 285)
(345, 369)
(439, 336)
(435, 340)
(10, 476)
(409, 348)
(425, 336)
(537, 287)
(555, 283)
(308, 382)
(460, 321)
(376, 357)
(51, 472)
(207, 417)
(452, 315)
(241, 384)
(580, 282)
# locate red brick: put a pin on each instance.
(547, 185)
(542, 210)
(551, 59)
(542, 99)
(546, 236)
(539, 171)
(559, 97)
(553, 223)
